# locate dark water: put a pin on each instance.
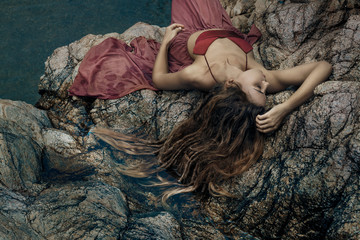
(30, 30)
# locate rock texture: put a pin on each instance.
(57, 181)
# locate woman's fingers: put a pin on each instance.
(265, 125)
(261, 120)
(271, 120)
(261, 117)
(268, 130)
(268, 126)
(178, 29)
(171, 31)
(176, 25)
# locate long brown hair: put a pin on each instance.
(217, 142)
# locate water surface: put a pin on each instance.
(30, 30)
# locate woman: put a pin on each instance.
(194, 54)
(202, 50)
(218, 58)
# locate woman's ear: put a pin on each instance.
(229, 83)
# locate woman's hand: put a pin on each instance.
(171, 31)
(272, 119)
(307, 76)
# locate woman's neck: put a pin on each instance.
(224, 70)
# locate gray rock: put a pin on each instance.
(346, 50)
(86, 210)
(13, 217)
(162, 226)
(153, 114)
(21, 145)
(60, 142)
(58, 181)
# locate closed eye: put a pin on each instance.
(259, 91)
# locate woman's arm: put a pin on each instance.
(161, 77)
(307, 76)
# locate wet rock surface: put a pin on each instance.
(58, 181)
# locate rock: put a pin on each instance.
(152, 114)
(87, 210)
(13, 217)
(145, 30)
(193, 229)
(60, 142)
(156, 226)
(346, 51)
(345, 219)
(21, 145)
(58, 181)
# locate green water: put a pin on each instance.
(30, 30)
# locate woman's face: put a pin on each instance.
(254, 85)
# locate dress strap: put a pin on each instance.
(210, 69)
(246, 62)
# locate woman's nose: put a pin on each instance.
(265, 86)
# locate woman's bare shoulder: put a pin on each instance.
(198, 77)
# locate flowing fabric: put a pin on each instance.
(113, 69)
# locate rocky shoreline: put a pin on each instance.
(57, 181)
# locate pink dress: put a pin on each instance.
(113, 69)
